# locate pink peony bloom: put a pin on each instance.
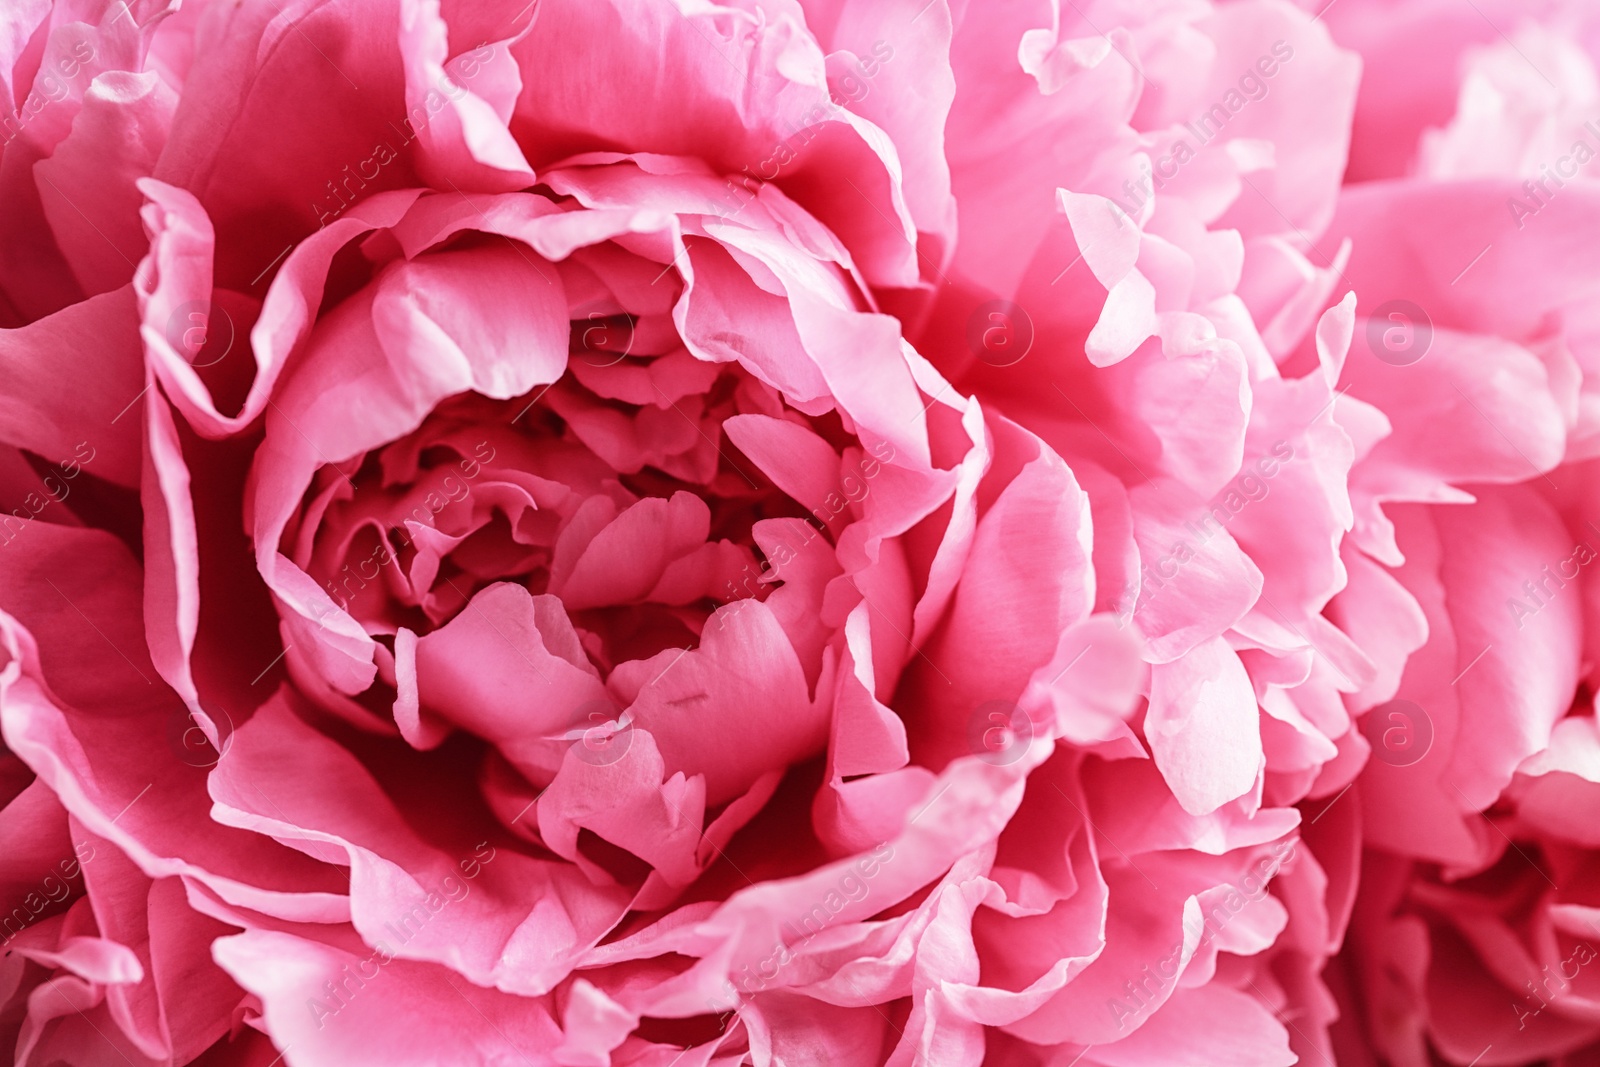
(624, 533)
(1479, 506)
(1184, 358)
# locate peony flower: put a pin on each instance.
(1184, 349)
(1475, 507)
(1493, 959)
(581, 601)
(621, 532)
